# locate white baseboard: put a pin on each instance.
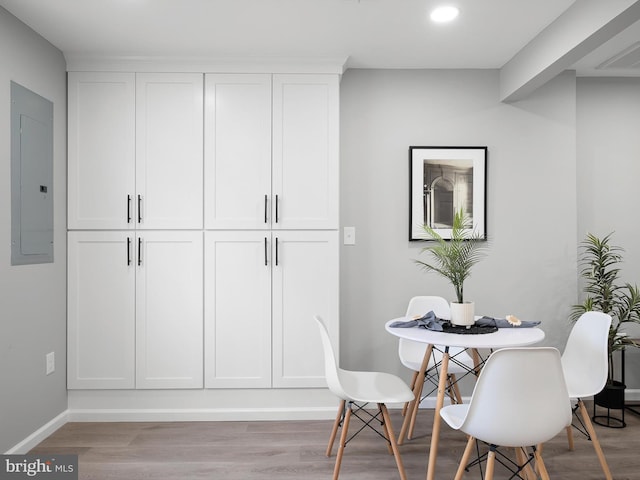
(39, 435)
(199, 415)
(632, 395)
(430, 402)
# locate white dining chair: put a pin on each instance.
(412, 353)
(356, 390)
(520, 400)
(585, 363)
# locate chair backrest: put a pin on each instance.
(423, 304)
(331, 369)
(585, 359)
(520, 398)
(419, 306)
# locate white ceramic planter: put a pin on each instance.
(462, 313)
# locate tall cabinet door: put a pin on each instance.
(305, 283)
(169, 312)
(169, 150)
(101, 157)
(305, 151)
(237, 151)
(238, 309)
(101, 310)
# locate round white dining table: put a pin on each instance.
(502, 338)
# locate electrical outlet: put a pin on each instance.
(51, 362)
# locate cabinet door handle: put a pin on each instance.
(277, 208)
(265, 250)
(265, 209)
(128, 250)
(276, 251)
(139, 251)
(139, 208)
(128, 208)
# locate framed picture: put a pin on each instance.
(444, 180)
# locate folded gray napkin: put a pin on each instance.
(503, 323)
(431, 322)
(428, 320)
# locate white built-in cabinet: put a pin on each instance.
(203, 229)
(101, 150)
(271, 151)
(263, 289)
(238, 151)
(101, 308)
(135, 309)
(135, 150)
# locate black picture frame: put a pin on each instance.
(443, 180)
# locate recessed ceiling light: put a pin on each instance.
(443, 14)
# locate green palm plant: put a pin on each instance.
(455, 257)
(600, 270)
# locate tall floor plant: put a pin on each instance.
(600, 262)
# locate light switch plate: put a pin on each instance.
(51, 363)
(349, 235)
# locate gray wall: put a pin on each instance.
(608, 172)
(32, 297)
(531, 200)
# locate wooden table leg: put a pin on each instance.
(435, 434)
(417, 388)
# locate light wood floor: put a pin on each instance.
(286, 450)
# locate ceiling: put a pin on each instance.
(363, 33)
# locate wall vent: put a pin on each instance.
(629, 58)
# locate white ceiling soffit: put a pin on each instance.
(577, 33)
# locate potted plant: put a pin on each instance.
(600, 263)
(453, 259)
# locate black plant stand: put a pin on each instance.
(612, 398)
(629, 406)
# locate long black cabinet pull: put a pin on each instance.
(139, 251)
(265, 250)
(128, 250)
(277, 208)
(139, 208)
(276, 250)
(128, 208)
(265, 209)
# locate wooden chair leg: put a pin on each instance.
(334, 430)
(392, 440)
(385, 428)
(416, 407)
(594, 440)
(343, 442)
(570, 437)
(411, 386)
(456, 389)
(540, 467)
(539, 448)
(491, 463)
(450, 391)
(407, 419)
(465, 458)
(521, 460)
